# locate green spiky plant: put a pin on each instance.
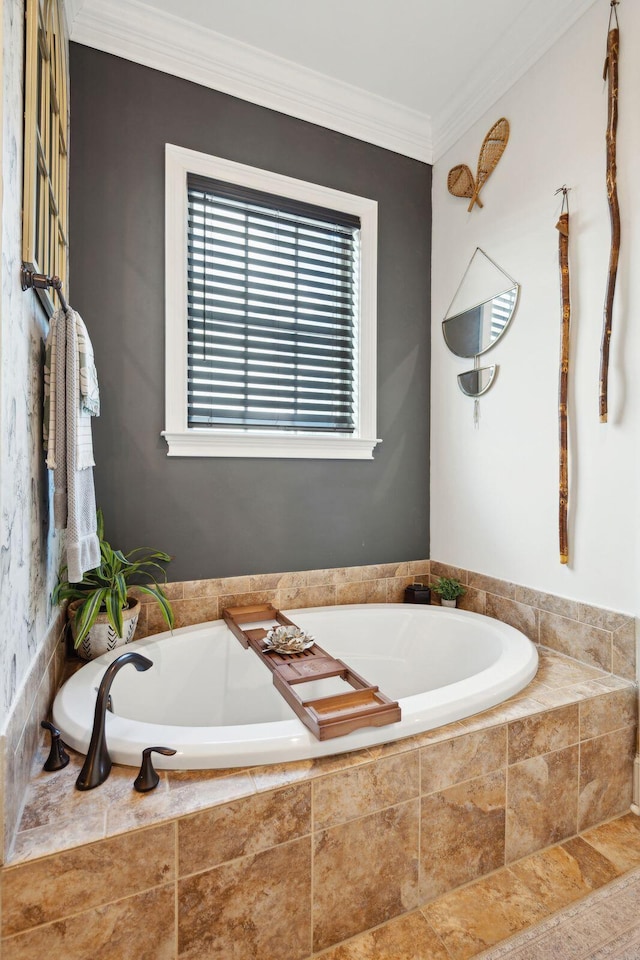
(448, 588)
(104, 589)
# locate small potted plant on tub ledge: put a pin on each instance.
(102, 614)
(448, 589)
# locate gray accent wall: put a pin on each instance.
(227, 517)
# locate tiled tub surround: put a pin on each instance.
(287, 861)
(601, 638)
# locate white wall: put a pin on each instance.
(494, 490)
(29, 550)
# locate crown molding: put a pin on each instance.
(488, 84)
(138, 32)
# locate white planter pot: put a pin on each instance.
(449, 603)
(102, 637)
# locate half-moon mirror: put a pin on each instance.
(482, 308)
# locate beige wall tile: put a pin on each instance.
(604, 619)
(142, 626)
(410, 937)
(229, 585)
(606, 771)
(173, 590)
(141, 926)
(447, 570)
(462, 834)
(474, 600)
(624, 651)
(518, 615)
(365, 872)
(242, 828)
(462, 758)
(187, 612)
(201, 588)
(543, 733)
(396, 587)
(578, 640)
(54, 887)
(542, 802)
(375, 571)
(548, 601)
(327, 577)
(279, 581)
(246, 599)
(365, 789)
(419, 567)
(258, 906)
(608, 712)
(368, 591)
(296, 597)
(503, 588)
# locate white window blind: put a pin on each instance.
(273, 289)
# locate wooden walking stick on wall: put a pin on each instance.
(611, 75)
(563, 392)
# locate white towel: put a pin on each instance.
(69, 440)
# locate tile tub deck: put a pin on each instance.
(300, 857)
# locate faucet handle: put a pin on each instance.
(58, 757)
(148, 779)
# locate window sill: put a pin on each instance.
(200, 443)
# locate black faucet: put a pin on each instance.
(97, 764)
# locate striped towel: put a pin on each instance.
(88, 393)
(69, 444)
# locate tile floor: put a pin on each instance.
(470, 920)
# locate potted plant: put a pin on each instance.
(449, 589)
(101, 612)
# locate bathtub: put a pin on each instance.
(214, 702)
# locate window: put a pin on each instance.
(270, 314)
(45, 194)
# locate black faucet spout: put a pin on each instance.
(97, 764)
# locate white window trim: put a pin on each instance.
(185, 442)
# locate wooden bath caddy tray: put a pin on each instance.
(362, 706)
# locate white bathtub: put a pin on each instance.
(215, 704)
